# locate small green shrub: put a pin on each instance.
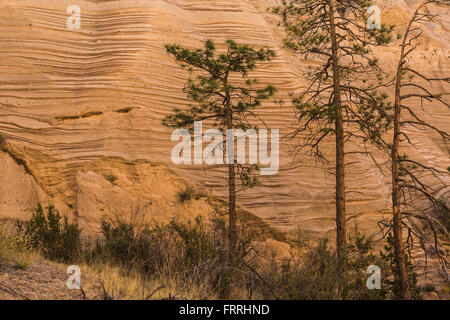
(132, 247)
(12, 250)
(186, 194)
(388, 258)
(52, 234)
(111, 178)
(428, 288)
(194, 241)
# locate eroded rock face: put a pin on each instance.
(19, 191)
(69, 98)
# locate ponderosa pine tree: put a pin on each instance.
(223, 92)
(410, 191)
(341, 99)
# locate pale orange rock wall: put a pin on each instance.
(117, 60)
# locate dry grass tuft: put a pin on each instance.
(12, 251)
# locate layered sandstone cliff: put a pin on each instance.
(79, 106)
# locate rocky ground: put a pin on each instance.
(43, 280)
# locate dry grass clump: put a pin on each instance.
(190, 261)
(120, 283)
(12, 250)
(186, 194)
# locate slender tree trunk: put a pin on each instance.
(232, 237)
(399, 250)
(341, 237)
(232, 206)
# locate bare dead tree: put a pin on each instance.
(412, 195)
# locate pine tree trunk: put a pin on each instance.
(399, 250)
(232, 237)
(232, 207)
(341, 237)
